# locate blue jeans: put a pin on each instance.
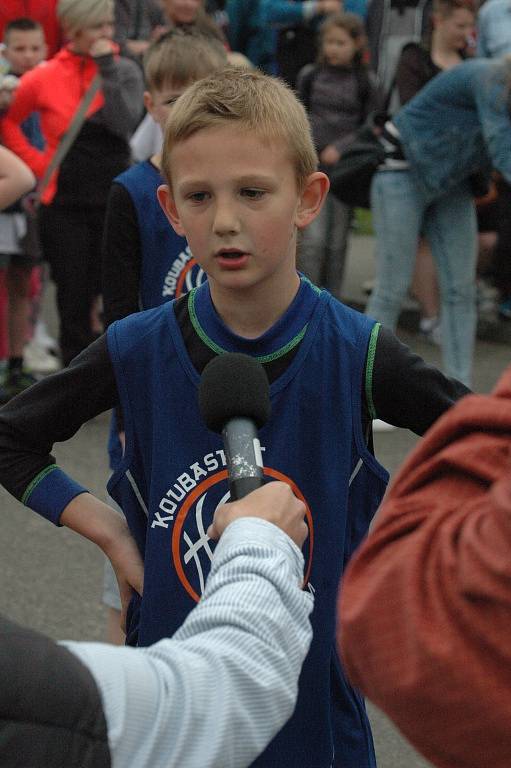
(400, 214)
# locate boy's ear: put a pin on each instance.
(166, 200)
(148, 102)
(312, 198)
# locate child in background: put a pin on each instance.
(242, 182)
(338, 93)
(155, 263)
(24, 49)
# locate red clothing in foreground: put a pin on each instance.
(425, 605)
(43, 11)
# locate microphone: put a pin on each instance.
(234, 400)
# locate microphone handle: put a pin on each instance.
(243, 456)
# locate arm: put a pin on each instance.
(123, 91)
(409, 73)
(491, 97)
(404, 390)
(15, 178)
(121, 255)
(426, 599)
(227, 681)
(52, 411)
(482, 35)
(25, 102)
(286, 12)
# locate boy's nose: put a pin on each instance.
(226, 220)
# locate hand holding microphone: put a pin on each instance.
(234, 400)
(274, 502)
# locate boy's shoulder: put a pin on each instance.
(142, 175)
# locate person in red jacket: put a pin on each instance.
(42, 11)
(425, 604)
(74, 203)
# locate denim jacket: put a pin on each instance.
(458, 125)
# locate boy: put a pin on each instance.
(155, 262)
(241, 167)
(24, 49)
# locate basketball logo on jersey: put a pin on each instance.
(184, 274)
(192, 549)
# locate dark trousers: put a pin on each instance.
(71, 243)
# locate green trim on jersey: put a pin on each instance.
(371, 352)
(35, 481)
(217, 349)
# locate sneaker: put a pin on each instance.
(14, 383)
(429, 330)
(43, 338)
(505, 309)
(487, 301)
(38, 359)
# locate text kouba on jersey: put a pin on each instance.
(183, 275)
(186, 482)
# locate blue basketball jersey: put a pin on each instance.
(173, 476)
(168, 268)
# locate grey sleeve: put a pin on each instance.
(123, 90)
(223, 686)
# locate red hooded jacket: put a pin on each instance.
(54, 89)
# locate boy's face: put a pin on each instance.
(159, 102)
(182, 11)
(236, 199)
(24, 49)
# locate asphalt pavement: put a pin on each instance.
(50, 579)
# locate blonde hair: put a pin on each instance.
(258, 103)
(182, 56)
(78, 14)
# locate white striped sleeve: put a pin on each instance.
(217, 692)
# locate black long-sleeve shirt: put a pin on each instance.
(405, 391)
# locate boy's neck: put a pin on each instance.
(250, 314)
(156, 160)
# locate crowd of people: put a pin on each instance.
(169, 165)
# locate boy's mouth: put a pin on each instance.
(231, 258)
(230, 253)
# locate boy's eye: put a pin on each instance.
(197, 197)
(253, 194)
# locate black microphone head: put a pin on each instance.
(234, 386)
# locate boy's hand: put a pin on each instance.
(128, 566)
(101, 47)
(330, 155)
(274, 502)
(98, 522)
(330, 6)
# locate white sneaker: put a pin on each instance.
(38, 359)
(43, 338)
(382, 426)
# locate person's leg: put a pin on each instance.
(425, 282)
(312, 246)
(336, 245)
(4, 308)
(65, 239)
(397, 210)
(18, 289)
(451, 229)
